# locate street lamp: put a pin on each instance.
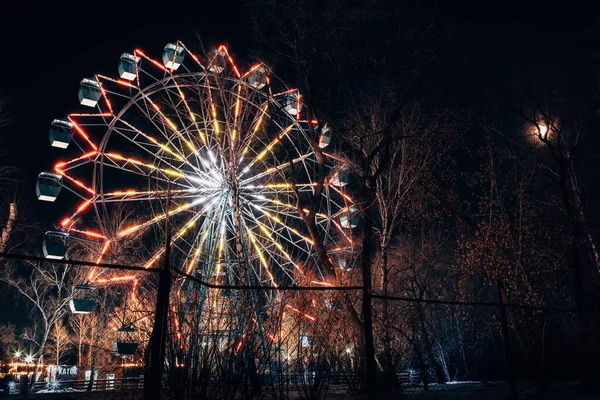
(349, 352)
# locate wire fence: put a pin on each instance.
(245, 341)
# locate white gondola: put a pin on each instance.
(89, 92)
(128, 66)
(173, 55)
(126, 343)
(218, 63)
(325, 136)
(61, 133)
(340, 177)
(82, 301)
(350, 218)
(48, 186)
(55, 245)
(292, 103)
(306, 341)
(258, 78)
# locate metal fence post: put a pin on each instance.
(507, 349)
(154, 371)
(370, 373)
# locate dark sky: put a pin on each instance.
(48, 49)
(54, 46)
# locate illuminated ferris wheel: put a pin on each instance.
(224, 154)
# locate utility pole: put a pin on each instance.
(510, 372)
(154, 371)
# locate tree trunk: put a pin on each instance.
(94, 353)
(389, 369)
(8, 227)
(439, 372)
(370, 371)
(585, 341)
(41, 351)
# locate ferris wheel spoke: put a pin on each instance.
(272, 170)
(280, 188)
(66, 166)
(259, 252)
(183, 134)
(152, 195)
(215, 126)
(277, 204)
(190, 223)
(152, 112)
(269, 232)
(346, 196)
(220, 231)
(190, 113)
(257, 124)
(321, 218)
(284, 212)
(197, 252)
(137, 167)
(150, 147)
(338, 226)
(162, 216)
(278, 221)
(269, 147)
(278, 259)
(203, 249)
(235, 132)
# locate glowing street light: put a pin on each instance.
(29, 358)
(18, 354)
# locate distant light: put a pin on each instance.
(29, 358)
(543, 129)
(539, 131)
(18, 354)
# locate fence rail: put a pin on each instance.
(99, 385)
(75, 387)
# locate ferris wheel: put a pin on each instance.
(224, 155)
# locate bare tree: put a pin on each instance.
(81, 325)
(47, 289)
(7, 182)
(59, 341)
(8, 340)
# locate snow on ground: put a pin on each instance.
(470, 390)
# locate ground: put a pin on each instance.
(492, 391)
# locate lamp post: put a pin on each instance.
(16, 359)
(349, 352)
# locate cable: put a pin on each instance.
(267, 288)
(76, 262)
(472, 303)
(297, 288)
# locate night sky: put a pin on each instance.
(55, 46)
(52, 47)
